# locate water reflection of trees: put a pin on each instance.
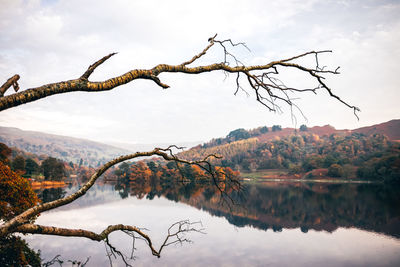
(50, 194)
(297, 205)
(14, 251)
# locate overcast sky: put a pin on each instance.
(49, 41)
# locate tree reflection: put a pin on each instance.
(15, 252)
(278, 206)
(50, 194)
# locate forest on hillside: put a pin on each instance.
(372, 157)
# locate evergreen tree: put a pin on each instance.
(18, 163)
(31, 167)
(303, 128)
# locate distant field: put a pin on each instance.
(265, 174)
(276, 175)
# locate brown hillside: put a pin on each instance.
(326, 130)
(274, 135)
(318, 130)
(391, 129)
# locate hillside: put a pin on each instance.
(318, 130)
(367, 152)
(391, 129)
(62, 147)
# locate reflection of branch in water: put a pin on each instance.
(176, 235)
(58, 260)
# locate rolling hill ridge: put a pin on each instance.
(62, 147)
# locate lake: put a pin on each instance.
(270, 224)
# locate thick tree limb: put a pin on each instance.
(267, 93)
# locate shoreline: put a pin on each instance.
(47, 184)
(327, 180)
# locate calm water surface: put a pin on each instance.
(276, 224)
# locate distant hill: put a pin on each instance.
(62, 147)
(148, 147)
(391, 129)
(318, 130)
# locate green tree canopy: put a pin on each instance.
(238, 134)
(53, 169)
(335, 170)
(18, 163)
(264, 129)
(31, 167)
(276, 128)
(303, 128)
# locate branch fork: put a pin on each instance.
(13, 81)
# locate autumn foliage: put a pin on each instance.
(155, 171)
(345, 155)
(16, 194)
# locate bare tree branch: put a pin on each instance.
(52, 261)
(202, 53)
(11, 81)
(57, 259)
(94, 66)
(273, 91)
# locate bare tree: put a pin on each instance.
(262, 80)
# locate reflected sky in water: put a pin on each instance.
(223, 244)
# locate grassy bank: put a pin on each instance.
(282, 175)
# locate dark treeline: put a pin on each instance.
(31, 165)
(271, 206)
(317, 207)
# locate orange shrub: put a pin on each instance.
(16, 194)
